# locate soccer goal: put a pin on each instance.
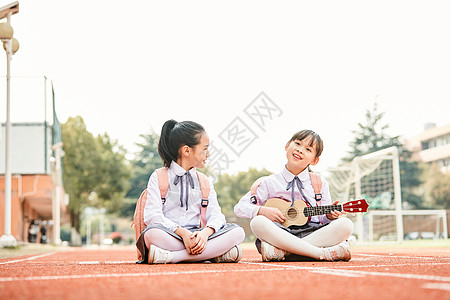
(376, 177)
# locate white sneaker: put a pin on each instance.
(232, 255)
(159, 256)
(271, 253)
(339, 252)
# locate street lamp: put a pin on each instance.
(11, 45)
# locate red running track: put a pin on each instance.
(110, 273)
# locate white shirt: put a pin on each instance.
(275, 185)
(171, 214)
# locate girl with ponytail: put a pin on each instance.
(173, 233)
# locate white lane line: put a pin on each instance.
(271, 267)
(399, 265)
(395, 256)
(28, 258)
(281, 266)
(337, 273)
(437, 286)
(351, 266)
(89, 263)
(356, 272)
(120, 262)
(53, 263)
(94, 262)
(398, 275)
(84, 276)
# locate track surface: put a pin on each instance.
(373, 273)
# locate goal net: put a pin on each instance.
(376, 178)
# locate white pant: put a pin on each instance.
(334, 233)
(214, 247)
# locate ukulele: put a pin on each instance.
(300, 213)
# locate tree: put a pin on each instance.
(112, 188)
(94, 172)
(146, 160)
(437, 187)
(79, 176)
(411, 180)
(231, 188)
(370, 137)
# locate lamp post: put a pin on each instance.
(11, 45)
(56, 203)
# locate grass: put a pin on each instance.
(26, 249)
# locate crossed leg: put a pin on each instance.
(312, 245)
(214, 247)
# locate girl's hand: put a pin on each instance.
(199, 240)
(335, 213)
(186, 237)
(272, 213)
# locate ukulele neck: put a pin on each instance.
(320, 210)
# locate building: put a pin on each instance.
(36, 183)
(432, 145)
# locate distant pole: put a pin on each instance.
(397, 195)
(88, 233)
(359, 218)
(102, 225)
(58, 194)
(8, 145)
(8, 240)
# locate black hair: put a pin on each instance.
(315, 141)
(174, 135)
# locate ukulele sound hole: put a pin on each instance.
(292, 213)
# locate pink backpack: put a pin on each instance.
(163, 179)
(316, 182)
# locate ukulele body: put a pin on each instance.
(294, 214)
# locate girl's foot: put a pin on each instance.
(339, 252)
(159, 256)
(271, 253)
(232, 255)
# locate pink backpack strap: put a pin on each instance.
(254, 187)
(138, 220)
(163, 179)
(205, 189)
(316, 182)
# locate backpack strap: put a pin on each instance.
(163, 179)
(316, 182)
(139, 224)
(205, 189)
(254, 187)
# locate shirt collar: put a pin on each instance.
(179, 170)
(288, 176)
